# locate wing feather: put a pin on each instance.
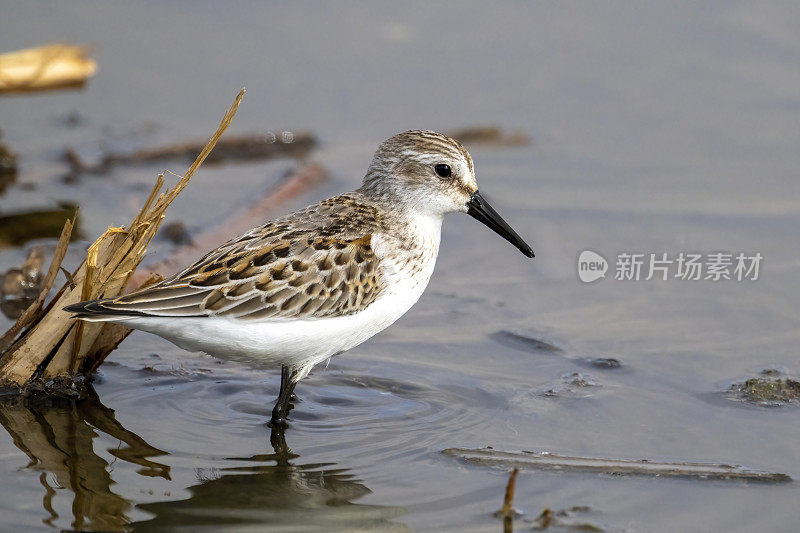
(315, 263)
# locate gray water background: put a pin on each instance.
(655, 128)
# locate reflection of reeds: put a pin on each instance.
(54, 66)
(50, 343)
(58, 438)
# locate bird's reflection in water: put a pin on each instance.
(58, 436)
(272, 491)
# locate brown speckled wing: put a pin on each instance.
(311, 264)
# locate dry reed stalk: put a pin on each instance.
(57, 345)
(508, 499)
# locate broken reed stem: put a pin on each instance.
(508, 501)
(58, 345)
(506, 512)
(32, 313)
(150, 199)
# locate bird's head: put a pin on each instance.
(432, 174)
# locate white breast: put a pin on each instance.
(304, 343)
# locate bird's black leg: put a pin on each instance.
(284, 404)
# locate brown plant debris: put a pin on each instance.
(18, 228)
(244, 147)
(551, 461)
(489, 136)
(8, 167)
(569, 519)
(54, 66)
(54, 344)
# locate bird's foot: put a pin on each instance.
(283, 454)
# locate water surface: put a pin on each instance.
(655, 129)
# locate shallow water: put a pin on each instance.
(655, 129)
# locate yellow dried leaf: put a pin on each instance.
(52, 66)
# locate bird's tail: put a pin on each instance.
(100, 311)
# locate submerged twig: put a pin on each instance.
(643, 467)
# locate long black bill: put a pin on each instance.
(479, 209)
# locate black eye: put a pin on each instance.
(443, 171)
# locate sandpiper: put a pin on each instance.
(317, 282)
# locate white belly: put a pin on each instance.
(299, 343)
(284, 341)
